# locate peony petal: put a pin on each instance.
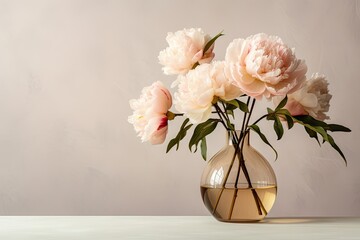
(199, 116)
(156, 130)
(197, 56)
(309, 100)
(206, 97)
(295, 108)
(246, 79)
(255, 89)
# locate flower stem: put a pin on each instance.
(234, 139)
(218, 111)
(242, 139)
(238, 143)
(243, 166)
(245, 114)
(225, 119)
(261, 118)
(258, 202)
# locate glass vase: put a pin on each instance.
(238, 184)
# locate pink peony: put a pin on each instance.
(184, 50)
(150, 113)
(263, 65)
(312, 98)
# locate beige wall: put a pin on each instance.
(68, 69)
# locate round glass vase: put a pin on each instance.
(238, 184)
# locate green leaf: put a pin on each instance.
(230, 125)
(336, 147)
(278, 127)
(231, 113)
(314, 126)
(312, 134)
(311, 121)
(282, 103)
(337, 128)
(203, 148)
(171, 144)
(184, 123)
(290, 121)
(230, 106)
(181, 134)
(262, 136)
(235, 103)
(229, 110)
(271, 114)
(284, 112)
(319, 130)
(211, 42)
(242, 106)
(201, 131)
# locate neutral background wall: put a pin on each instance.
(68, 69)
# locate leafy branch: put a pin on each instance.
(312, 126)
(181, 134)
(200, 133)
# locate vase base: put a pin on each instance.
(239, 204)
(239, 221)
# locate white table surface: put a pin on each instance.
(175, 227)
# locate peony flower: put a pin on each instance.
(198, 88)
(223, 87)
(184, 50)
(311, 99)
(263, 65)
(195, 94)
(150, 113)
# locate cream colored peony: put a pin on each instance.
(150, 113)
(223, 87)
(312, 99)
(263, 65)
(198, 89)
(184, 50)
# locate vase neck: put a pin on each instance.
(231, 138)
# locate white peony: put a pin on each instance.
(199, 87)
(184, 50)
(223, 87)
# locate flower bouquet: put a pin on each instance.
(211, 93)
